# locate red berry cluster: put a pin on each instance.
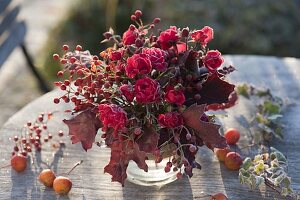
(141, 92)
(34, 135)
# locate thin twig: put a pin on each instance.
(77, 164)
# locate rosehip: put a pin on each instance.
(65, 47)
(47, 177)
(232, 136)
(55, 57)
(18, 163)
(62, 185)
(188, 136)
(233, 161)
(133, 17)
(156, 20)
(167, 169)
(192, 148)
(78, 48)
(221, 153)
(138, 13)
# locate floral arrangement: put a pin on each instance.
(148, 93)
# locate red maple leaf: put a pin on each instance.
(121, 154)
(83, 128)
(207, 131)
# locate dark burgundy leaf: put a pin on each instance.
(83, 128)
(207, 131)
(109, 139)
(217, 91)
(116, 166)
(121, 154)
(232, 100)
(149, 140)
(138, 157)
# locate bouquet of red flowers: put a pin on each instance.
(148, 93)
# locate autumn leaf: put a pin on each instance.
(83, 128)
(138, 156)
(207, 131)
(217, 93)
(116, 167)
(121, 154)
(149, 140)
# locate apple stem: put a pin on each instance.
(77, 164)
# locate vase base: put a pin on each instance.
(156, 176)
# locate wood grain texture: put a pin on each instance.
(89, 181)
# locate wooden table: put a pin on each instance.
(281, 75)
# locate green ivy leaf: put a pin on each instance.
(259, 180)
(247, 163)
(279, 156)
(243, 90)
(274, 117)
(270, 108)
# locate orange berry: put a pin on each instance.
(62, 185)
(233, 161)
(18, 163)
(232, 136)
(219, 196)
(221, 153)
(47, 177)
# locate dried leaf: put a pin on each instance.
(207, 131)
(149, 140)
(83, 128)
(121, 154)
(217, 93)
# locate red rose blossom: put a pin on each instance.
(170, 120)
(127, 91)
(146, 90)
(203, 36)
(112, 116)
(168, 37)
(213, 60)
(130, 36)
(138, 64)
(116, 55)
(157, 58)
(176, 97)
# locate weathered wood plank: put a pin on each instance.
(281, 75)
(9, 19)
(15, 38)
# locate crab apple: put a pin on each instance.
(233, 161)
(179, 175)
(219, 196)
(232, 136)
(221, 153)
(62, 185)
(18, 163)
(47, 177)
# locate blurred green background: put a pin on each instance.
(269, 27)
